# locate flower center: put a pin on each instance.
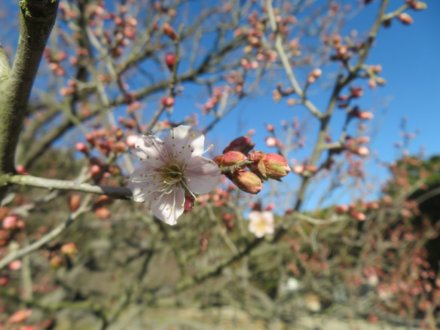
(172, 174)
(261, 225)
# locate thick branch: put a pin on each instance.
(37, 18)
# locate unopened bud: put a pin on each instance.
(69, 249)
(169, 31)
(167, 101)
(362, 151)
(356, 92)
(247, 181)
(271, 141)
(230, 158)
(274, 166)
(20, 169)
(358, 215)
(74, 202)
(81, 147)
(170, 61)
(341, 209)
(417, 5)
(243, 144)
(189, 203)
(406, 19)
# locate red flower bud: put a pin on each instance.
(167, 101)
(170, 61)
(230, 158)
(243, 144)
(247, 181)
(189, 203)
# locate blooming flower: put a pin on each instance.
(261, 223)
(171, 169)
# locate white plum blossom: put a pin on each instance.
(261, 223)
(171, 169)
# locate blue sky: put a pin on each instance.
(409, 56)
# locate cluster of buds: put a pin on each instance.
(305, 169)
(54, 58)
(10, 224)
(106, 141)
(248, 169)
(315, 74)
(356, 146)
(214, 100)
(358, 210)
(236, 81)
(359, 114)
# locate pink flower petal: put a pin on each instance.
(168, 207)
(143, 182)
(202, 175)
(198, 145)
(183, 143)
(150, 149)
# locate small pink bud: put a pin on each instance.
(15, 265)
(406, 19)
(362, 151)
(417, 5)
(170, 60)
(20, 169)
(271, 141)
(69, 249)
(102, 213)
(10, 222)
(356, 92)
(74, 202)
(189, 203)
(366, 115)
(81, 147)
(341, 209)
(95, 170)
(167, 101)
(358, 215)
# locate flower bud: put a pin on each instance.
(247, 181)
(69, 249)
(167, 101)
(230, 158)
(169, 31)
(406, 19)
(243, 144)
(417, 5)
(275, 166)
(189, 203)
(170, 60)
